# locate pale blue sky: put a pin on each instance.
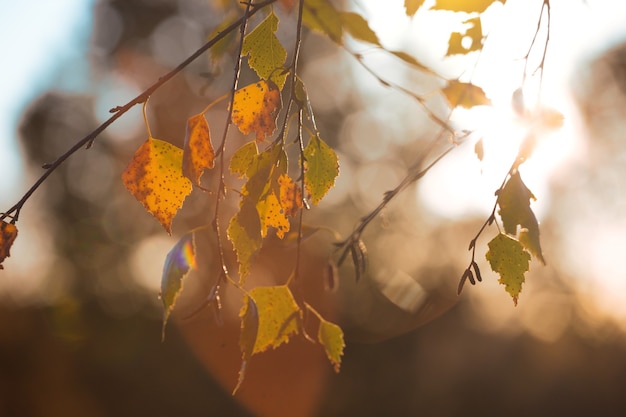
(40, 42)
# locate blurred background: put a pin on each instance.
(79, 313)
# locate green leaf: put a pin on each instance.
(321, 16)
(260, 206)
(411, 6)
(244, 231)
(331, 337)
(475, 32)
(514, 202)
(279, 316)
(226, 44)
(249, 316)
(263, 173)
(267, 54)
(269, 317)
(178, 262)
(243, 158)
(359, 28)
(464, 94)
(467, 6)
(321, 168)
(508, 258)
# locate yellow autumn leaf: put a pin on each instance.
(322, 16)
(331, 337)
(278, 317)
(198, 153)
(474, 32)
(255, 108)
(464, 94)
(467, 6)
(8, 234)
(154, 176)
(411, 6)
(272, 214)
(508, 259)
(358, 27)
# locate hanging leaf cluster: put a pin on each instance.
(272, 188)
(161, 175)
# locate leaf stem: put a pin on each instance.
(544, 6)
(221, 190)
(421, 100)
(145, 117)
(353, 243)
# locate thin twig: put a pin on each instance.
(221, 190)
(294, 80)
(545, 5)
(490, 220)
(414, 175)
(421, 100)
(468, 274)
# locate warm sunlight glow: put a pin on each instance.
(462, 185)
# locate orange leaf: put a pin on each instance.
(290, 195)
(255, 108)
(8, 233)
(154, 176)
(198, 154)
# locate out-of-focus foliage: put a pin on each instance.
(278, 183)
(272, 183)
